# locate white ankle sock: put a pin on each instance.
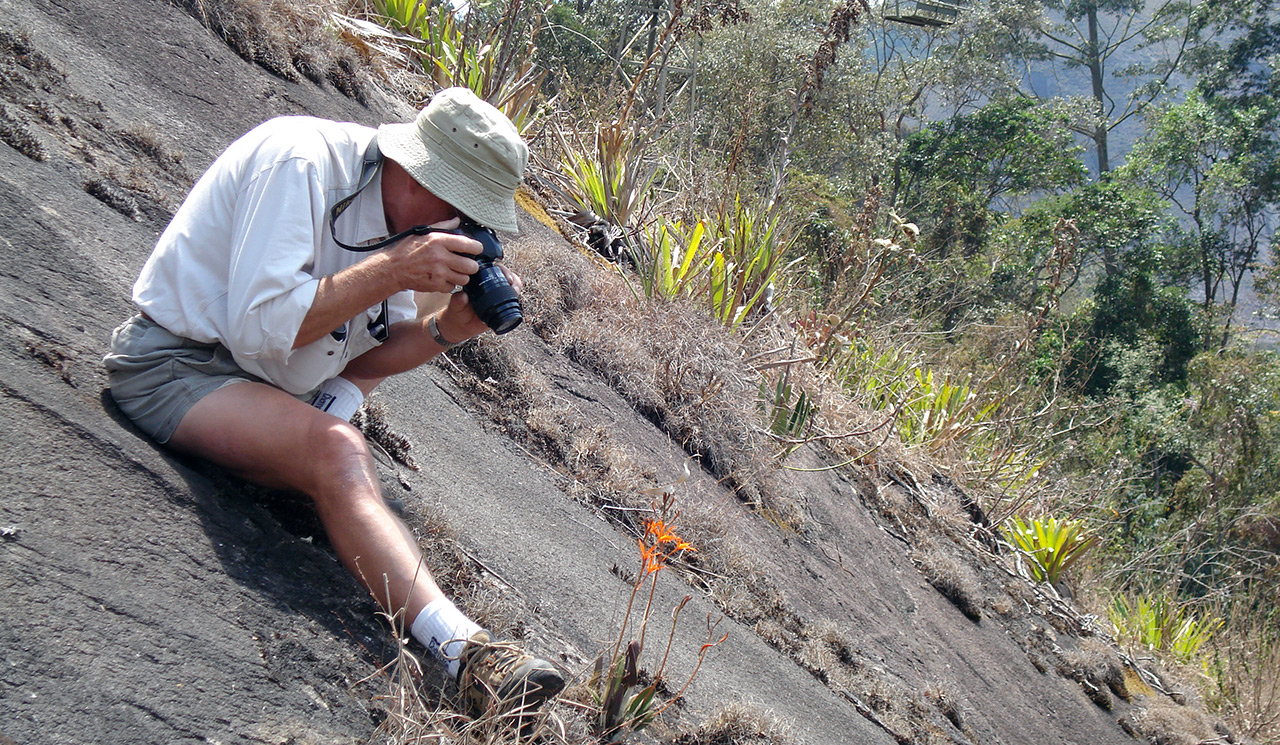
(339, 397)
(444, 631)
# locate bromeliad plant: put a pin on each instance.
(621, 709)
(745, 261)
(674, 260)
(611, 178)
(453, 53)
(1050, 546)
(1162, 625)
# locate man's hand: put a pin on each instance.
(459, 322)
(411, 343)
(436, 262)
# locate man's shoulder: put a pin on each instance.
(302, 126)
(305, 137)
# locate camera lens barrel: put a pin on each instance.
(494, 299)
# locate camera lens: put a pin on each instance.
(494, 299)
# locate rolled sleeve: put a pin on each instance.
(401, 307)
(270, 287)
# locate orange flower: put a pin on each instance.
(649, 560)
(659, 544)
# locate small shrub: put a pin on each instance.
(1096, 668)
(612, 178)
(1163, 625)
(1050, 546)
(1166, 723)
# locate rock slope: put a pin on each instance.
(150, 599)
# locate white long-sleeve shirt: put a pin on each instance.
(241, 260)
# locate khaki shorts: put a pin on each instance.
(156, 377)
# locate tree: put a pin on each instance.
(1219, 169)
(1236, 64)
(1138, 329)
(1090, 34)
(958, 170)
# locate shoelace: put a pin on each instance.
(502, 657)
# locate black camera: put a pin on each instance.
(494, 299)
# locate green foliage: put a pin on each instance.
(1087, 36)
(787, 417)
(1163, 625)
(1142, 335)
(872, 374)
(1010, 146)
(454, 53)
(1050, 546)
(938, 410)
(567, 45)
(745, 261)
(674, 260)
(1135, 331)
(1238, 60)
(623, 712)
(931, 409)
(1208, 456)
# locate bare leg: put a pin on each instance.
(266, 436)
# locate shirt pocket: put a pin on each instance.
(367, 330)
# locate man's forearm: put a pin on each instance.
(436, 262)
(340, 297)
(409, 345)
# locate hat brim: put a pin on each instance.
(487, 206)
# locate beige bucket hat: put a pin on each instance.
(464, 151)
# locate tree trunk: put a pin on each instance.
(1094, 61)
(653, 28)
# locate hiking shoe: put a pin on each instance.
(500, 676)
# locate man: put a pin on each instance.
(274, 302)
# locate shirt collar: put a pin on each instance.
(370, 221)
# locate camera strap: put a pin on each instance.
(378, 328)
(369, 168)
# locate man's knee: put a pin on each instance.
(338, 453)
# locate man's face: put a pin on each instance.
(407, 203)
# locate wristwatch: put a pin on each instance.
(435, 334)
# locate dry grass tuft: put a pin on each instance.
(372, 420)
(672, 364)
(147, 141)
(1166, 723)
(739, 723)
(16, 135)
(950, 577)
(562, 283)
(290, 40)
(949, 707)
(105, 190)
(1097, 669)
